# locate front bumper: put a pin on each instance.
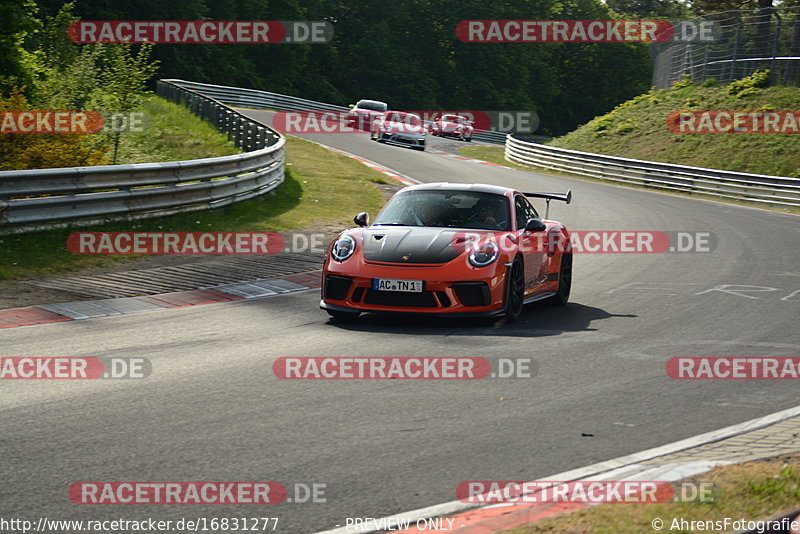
(404, 139)
(455, 288)
(453, 133)
(467, 315)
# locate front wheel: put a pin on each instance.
(515, 291)
(564, 281)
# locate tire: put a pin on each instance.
(343, 316)
(515, 291)
(564, 281)
(469, 139)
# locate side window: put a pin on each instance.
(531, 212)
(521, 211)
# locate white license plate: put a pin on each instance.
(387, 284)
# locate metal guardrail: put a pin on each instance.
(253, 98)
(41, 198)
(776, 190)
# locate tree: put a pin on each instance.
(123, 78)
(16, 22)
(671, 9)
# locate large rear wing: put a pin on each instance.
(564, 197)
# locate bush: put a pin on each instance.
(41, 151)
(750, 84)
(685, 82)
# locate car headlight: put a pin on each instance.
(483, 255)
(343, 248)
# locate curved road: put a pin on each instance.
(212, 409)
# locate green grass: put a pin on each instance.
(493, 154)
(753, 491)
(320, 188)
(172, 133)
(638, 129)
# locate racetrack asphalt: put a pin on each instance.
(213, 410)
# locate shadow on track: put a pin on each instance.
(537, 320)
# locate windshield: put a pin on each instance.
(452, 118)
(371, 105)
(449, 209)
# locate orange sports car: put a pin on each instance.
(466, 250)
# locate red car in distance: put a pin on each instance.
(400, 128)
(454, 126)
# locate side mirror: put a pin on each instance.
(351, 105)
(362, 219)
(535, 225)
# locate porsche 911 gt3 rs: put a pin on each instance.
(400, 128)
(468, 250)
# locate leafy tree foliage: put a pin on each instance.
(405, 53)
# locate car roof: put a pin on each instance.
(365, 101)
(455, 186)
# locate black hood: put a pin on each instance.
(410, 245)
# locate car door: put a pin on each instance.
(543, 245)
(529, 244)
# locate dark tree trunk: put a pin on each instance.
(794, 65)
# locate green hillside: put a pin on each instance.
(638, 128)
